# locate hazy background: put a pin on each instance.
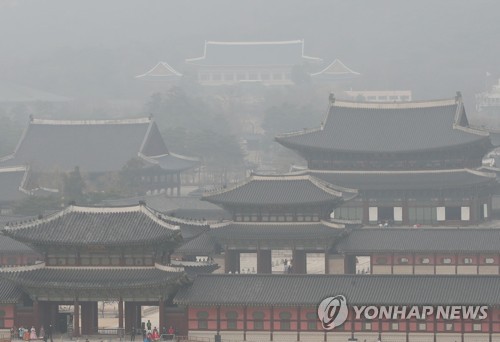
(95, 48)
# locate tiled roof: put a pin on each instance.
(300, 231)
(10, 245)
(408, 180)
(92, 278)
(253, 53)
(358, 289)
(336, 70)
(173, 162)
(11, 183)
(9, 291)
(280, 190)
(203, 244)
(161, 70)
(389, 127)
(200, 269)
(472, 240)
(96, 225)
(166, 204)
(92, 145)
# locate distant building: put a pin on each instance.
(413, 162)
(261, 307)
(489, 101)
(336, 71)
(91, 254)
(379, 95)
(98, 147)
(161, 71)
(269, 63)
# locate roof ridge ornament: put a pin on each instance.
(331, 99)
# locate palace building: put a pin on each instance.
(412, 162)
(92, 254)
(284, 307)
(464, 251)
(98, 147)
(229, 63)
(273, 213)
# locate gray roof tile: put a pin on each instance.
(96, 225)
(91, 278)
(471, 240)
(93, 146)
(279, 190)
(10, 245)
(232, 289)
(277, 231)
(406, 180)
(392, 127)
(9, 291)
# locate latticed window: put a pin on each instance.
(202, 319)
(232, 317)
(285, 320)
(312, 321)
(258, 320)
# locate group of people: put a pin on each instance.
(152, 335)
(28, 334)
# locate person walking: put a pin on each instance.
(132, 334)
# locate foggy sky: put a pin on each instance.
(430, 47)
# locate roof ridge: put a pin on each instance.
(395, 105)
(477, 172)
(278, 223)
(139, 208)
(35, 121)
(270, 42)
(336, 61)
(13, 168)
(164, 64)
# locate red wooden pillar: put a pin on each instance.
(36, 313)
(161, 315)
(264, 261)
(76, 318)
(299, 258)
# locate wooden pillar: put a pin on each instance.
(299, 258)
(76, 318)
(95, 315)
(218, 319)
(161, 315)
(406, 212)
(88, 320)
(36, 314)
(129, 316)
(232, 261)
(350, 264)
(264, 261)
(138, 316)
(366, 210)
(245, 319)
(120, 313)
(272, 323)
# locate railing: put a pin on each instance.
(120, 332)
